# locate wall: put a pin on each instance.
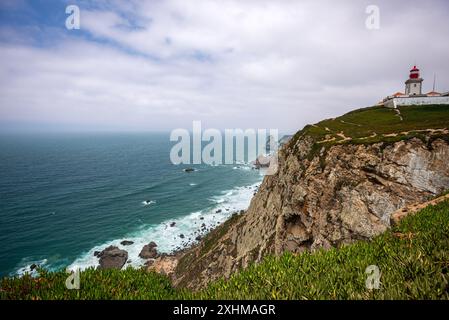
(393, 103)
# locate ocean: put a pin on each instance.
(64, 196)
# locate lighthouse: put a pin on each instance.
(413, 86)
(413, 95)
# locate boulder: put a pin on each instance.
(112, 258)
(126, 243)
(149, 251)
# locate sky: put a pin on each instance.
(158, 65)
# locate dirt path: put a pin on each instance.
(371, 136)
(344, 138)
(354, 124)
(398, 113)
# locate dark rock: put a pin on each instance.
(202, 218)
(152, 244)
(218, 211)
(149, 251)
(112, 258)
(126, 243)
(189, 170)
(181, 236)
(96, 253)
(198, 238)
(172, 224)
(33, 266)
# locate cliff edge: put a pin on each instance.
(338, 181)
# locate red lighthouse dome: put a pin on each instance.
(414, 73)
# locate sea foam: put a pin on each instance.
(168, 238)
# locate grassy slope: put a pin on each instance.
(413, 258)
(365, 122)
(377, 124)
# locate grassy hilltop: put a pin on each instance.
(379, 124)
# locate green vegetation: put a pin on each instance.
(377, 124)
(413, 258)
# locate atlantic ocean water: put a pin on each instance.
(64, 196)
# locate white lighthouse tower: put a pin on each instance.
(413, 86)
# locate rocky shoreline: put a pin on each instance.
(113, 257)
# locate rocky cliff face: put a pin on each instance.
(321, 197)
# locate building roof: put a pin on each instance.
(433, 93)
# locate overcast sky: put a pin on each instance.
(159, 65)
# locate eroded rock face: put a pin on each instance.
(164, 265)
(345, 194)
(112, 258)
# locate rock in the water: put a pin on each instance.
(112, 258)
(198, 238)
(181, 236)
(189, 170)
(149, 251)
(152, 244)
(172, 224)
(126, 243)
(33, 266)
(218, 211)
(96, 253)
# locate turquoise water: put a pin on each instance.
(64, 196)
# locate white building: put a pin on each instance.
(413, 93)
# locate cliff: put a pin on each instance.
(338, 181)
